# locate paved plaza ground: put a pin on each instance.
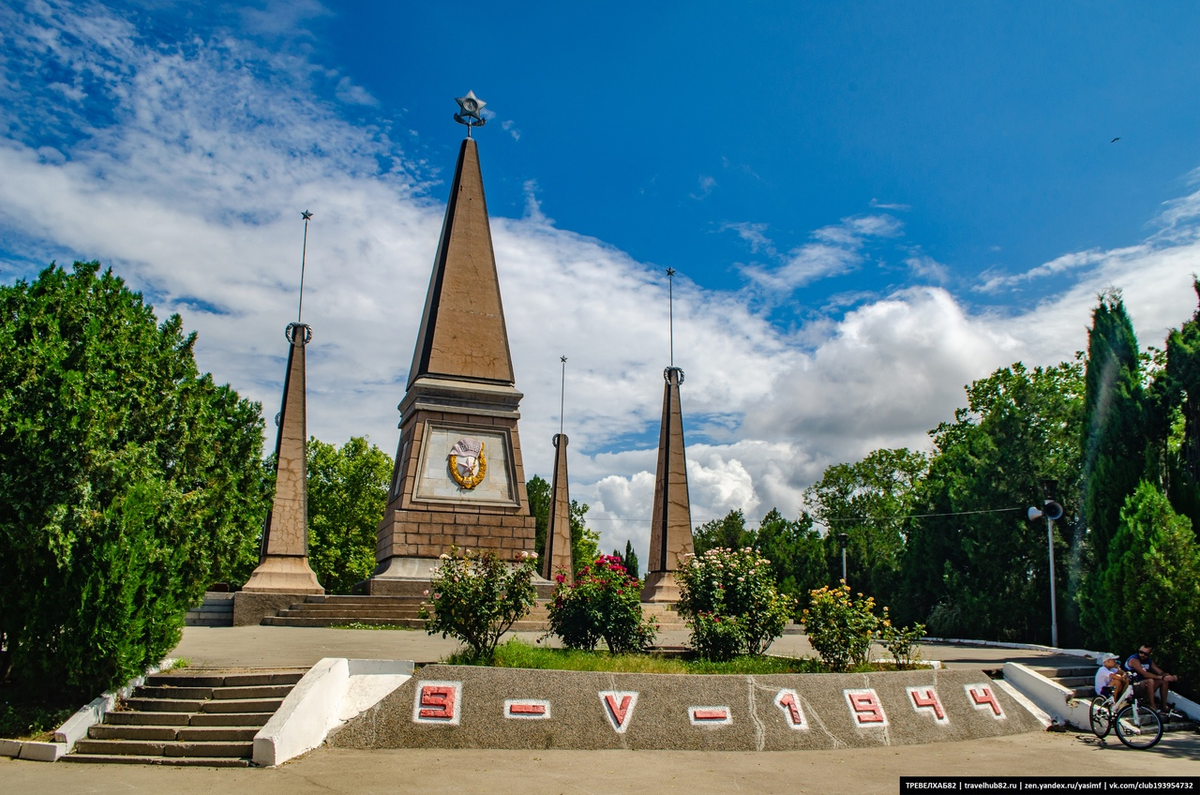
(257, 646)
(328, 770)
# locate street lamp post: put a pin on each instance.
(1051, 510)
(843, 537)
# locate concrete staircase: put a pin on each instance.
(215, 611)
(1081, 681)
(192, 717)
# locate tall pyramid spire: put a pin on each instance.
(557, 555)
(459, 479)
(671, 522)
(462, 333)
(284, 563)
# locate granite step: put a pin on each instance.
(197, 717)
(177, 761)
(170, 749)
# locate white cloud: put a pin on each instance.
(192, 191)
(354, 95)
(706, 184)
(834, 250)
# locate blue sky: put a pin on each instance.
(868, 204)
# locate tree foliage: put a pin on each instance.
(347, 494)
(728, 532)
(869, 501)
(1150, 584)
(984, 571)
(130, 481)
(1114, 427)
(629, 560)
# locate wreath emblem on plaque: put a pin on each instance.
(468, 464)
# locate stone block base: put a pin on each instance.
(660, 587)
(250, 608)
(400, 576)
(283, 574)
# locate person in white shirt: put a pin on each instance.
(1110, 679)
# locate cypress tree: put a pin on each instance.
(1115, 441)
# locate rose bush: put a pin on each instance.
(839, 627)
(476, 598)
(604, 603)
(729, 599)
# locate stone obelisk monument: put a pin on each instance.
(459, 479)
(284, 559)
(557, 556)
(671, 522)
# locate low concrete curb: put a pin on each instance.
(469, 707)
(332, 692)
(76, 727)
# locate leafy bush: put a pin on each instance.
(901, 642)
(604, 603)
(476, 598)
(840, 627)
(130, 481)
(728, 597)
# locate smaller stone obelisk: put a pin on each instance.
(283, 566)
(671, 522)
(557, 556)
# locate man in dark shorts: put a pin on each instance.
(1148, 679)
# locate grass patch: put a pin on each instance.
(518, 654)
(361, 625)
(32, 715)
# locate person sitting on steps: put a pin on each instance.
(1149, 678)
(1110, 679)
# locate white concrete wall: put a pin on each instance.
(332, 692)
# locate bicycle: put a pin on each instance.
(1136, 726)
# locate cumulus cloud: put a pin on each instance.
(186, 166)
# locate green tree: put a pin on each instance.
(1177, 393)
(347, 493)
(868, 501)
(1151, 584)
(130, 481)
(1114, 429)
(796, 554)
(629, 560)
(728, 532)
(977, 568)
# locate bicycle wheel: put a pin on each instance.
(1140, 728)
(1101, 717)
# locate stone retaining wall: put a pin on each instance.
(470, 707)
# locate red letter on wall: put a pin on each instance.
(865, 708)
(438, 702)
(618, 708)
(925, 699)
(789, 702)
(984, 698)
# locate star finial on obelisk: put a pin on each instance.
(469, 108)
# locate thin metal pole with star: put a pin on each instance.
(307, 216)
(562, 397)
(671, 311)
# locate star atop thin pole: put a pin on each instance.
(562, 398)
(469, 108)
(671, 310)
(307, 216)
